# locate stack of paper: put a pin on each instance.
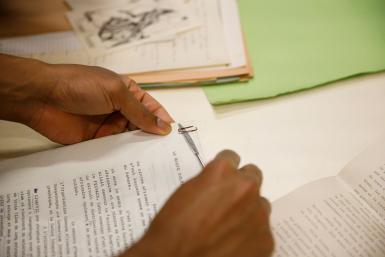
(157, 43)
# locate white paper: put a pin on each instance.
(91, 199)
(205, 47)
(366, 177)
(120, 26)
(83, 4)
(233, 33)
(27, 46)
(335, 216)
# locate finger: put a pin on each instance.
(131, 127)
(156, 108)
(136, 113)
(252, 172)
(148, 101)
(230, 157)
(114, 124)
(266, 205)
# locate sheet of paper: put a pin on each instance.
(199, 48)
(365, 175)
(91, 199)
(233, 33)
(83, 4)
(230, 23)
(45, 44)
(239, 65)
(325, 218)
(119, 26)
(301, 44)
(335, 216)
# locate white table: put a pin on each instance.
(294, 139)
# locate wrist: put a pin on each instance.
(22, 83)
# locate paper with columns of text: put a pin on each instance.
(91, 199)
(338, 216)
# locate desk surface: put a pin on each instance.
(294, 139)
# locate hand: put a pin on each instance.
(91, 102)
(219, 213)
(72, 103)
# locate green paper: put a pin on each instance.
(299, 44)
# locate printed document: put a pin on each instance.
(338, 216)
(91, 199)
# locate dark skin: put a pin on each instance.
(220, 212)
(72, 103)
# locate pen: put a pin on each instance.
(191, 143)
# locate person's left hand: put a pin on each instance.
(78, 103)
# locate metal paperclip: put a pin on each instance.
(188, 129)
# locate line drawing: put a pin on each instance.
(125, 26)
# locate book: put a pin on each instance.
(336, 216)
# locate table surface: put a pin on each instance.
(294, 139)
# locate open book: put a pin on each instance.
(338, 216)
(98, 197)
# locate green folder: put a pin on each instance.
(299, 44)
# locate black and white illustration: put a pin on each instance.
(125, 26)
(111, 28)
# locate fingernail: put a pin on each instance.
(164, 126)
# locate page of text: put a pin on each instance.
(338, 216)
(365, 175)
(91, 199)
(325, 218)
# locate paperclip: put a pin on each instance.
(186, 129)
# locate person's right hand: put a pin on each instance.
(219, 213)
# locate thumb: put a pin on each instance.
(136, 113)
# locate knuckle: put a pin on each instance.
(222, 166)
(249, 184)
(230, 156)
(131, 83)
(253, 168)
(126, 80)
(115, 88)
(117, 84)
(228, 152)
(218, 170)
(247, 188)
